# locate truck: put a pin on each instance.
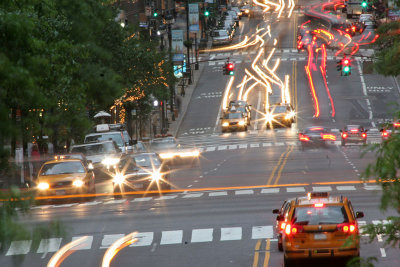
(353, 8)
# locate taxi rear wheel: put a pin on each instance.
(287, 262)
(280, 247)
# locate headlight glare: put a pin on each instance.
(166, 155)
(268, 117)
(225, 124)
(156, 176)
(119, 178)
(241, 123)
(110, 161)
(78, 183)
(43, 186)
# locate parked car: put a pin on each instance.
(220, 37)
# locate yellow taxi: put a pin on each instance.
(65, 176)
(320, 226)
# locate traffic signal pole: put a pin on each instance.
(188, 39)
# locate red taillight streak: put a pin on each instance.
(316, 104)
(364, 135)
(354, 130)
(396, 124)
(304, 138)
(323, 71)
(344, 135)
(293, 229)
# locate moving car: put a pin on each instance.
(280, 221)
(320, 226)
(65, 176)
(238, 12)
(304, 38)
(245, 10)
(233, 121)
(315, 136)
(140, 172)
(386, 132)
(172, 152)
(280, 115)
(241, 106)
(353, 134)
(220, 37)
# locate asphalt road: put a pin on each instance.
(220, 212)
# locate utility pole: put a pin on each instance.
(188, 39)
(169, 19)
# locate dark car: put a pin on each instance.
(280, 221)
(241, 106)
(354, 134)
(387, 130)
(315, 136)
(173, 153)
(140, 172)
(280, 115)
(304, 38)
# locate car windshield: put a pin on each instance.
(233, 116)
(165, 144)
(147, 160)
(94, 149)
(62, 168)
(220, 34)
(104, 137)
(279, 109)
(316, 216)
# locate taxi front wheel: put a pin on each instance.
(287, 262)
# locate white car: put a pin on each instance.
(365, 17)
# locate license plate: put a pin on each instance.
(60, 192)
(138, 185)
(319, 236)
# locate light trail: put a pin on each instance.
(116, 247)
(226, 95)
(242, 85)
(65, 251)
(311, 82)
(323, 72)
(291, 7)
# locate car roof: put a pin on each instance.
(353, 126)
(104, 133)
(62, 160)
(94, 143)
(305, 201)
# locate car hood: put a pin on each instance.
(60, 177)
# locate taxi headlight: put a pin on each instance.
(43, 186)
(156, 176)
(225, 124)
(190, 154)
(166, 155)
(290, 115)
(90, 166)
(119, 178)
(78, 183)
(110, 161)
(247, 11)
(241, 123)
(268, 117)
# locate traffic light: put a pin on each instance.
(346, 66)
(364, 4)
(155, 13)
(229, 69)
(206, 13)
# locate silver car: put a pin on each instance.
(221, 37)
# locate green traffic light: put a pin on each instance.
(206, 13)
(231, 72)
(364, 4)
(346, 69)
(155, 14)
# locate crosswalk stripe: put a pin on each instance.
(202, 235)
(211, 63)
(243, 146)
(259, 232)
(244, 192)
(232, 147)
(166, 197)
(231, 233)
(171, 237)
(270, 190)
(216, 194)
(19, 247)
(65, 205)
(143, 239)
(321, 188)
(210, 148)
(142, 199)
(346, 188)
(108, 240)
(92, 203)
(49, 245)
(279, 144)
(291, 143)
(193, 195)
(222, 147)
(295, 189)
(267, 144)
(372, 187)
(115, 201)
(85, 245)
(254, 145)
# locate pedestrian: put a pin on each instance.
(154, 129)
(183, 91)
(178, 103)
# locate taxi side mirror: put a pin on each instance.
(275, 211)
(359, 214)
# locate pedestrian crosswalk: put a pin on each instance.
(161, 237)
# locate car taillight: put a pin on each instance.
(319, 205)
(283, 225)
(303, 137)
(385, 134)
(354, 130)
(364, 135)
(396, 124)
(348, 228)
(344, 135)
(293, 229)
(328, 137)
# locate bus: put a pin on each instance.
(353, 8)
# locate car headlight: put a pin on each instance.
(166, 155)
(241, 123)
(195, 153)
(225, 124)
(290, 115)
(78, 183)
(156, 176)
(268, 117)
(90, 166)
(43, 186)
(118, 178)
(247, 11)
(110, 161)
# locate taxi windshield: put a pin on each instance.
(233, 116)
(94, 149)
(62, 168)
(104, 137)
(147, 160)
(316, 216)
(279, 109)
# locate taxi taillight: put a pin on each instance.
(283, 225)
(348, 228)
(385, 134)
(319, 205)
(344, 135)
(293, 229)
(304, 137)
(364, 135)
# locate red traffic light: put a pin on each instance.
(229, 66)
(346, 62)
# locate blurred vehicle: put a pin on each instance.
(353, 8)
(304, 38)
(103, 155)
(85, 161)
(241, 106)
(113, 132)
(233, 15)
(233, 121)
(280, 221)
(387, 130)
(280, 115)
(238, 12)
(315, 136)
(140, 172)
(365, 17)
(65, 176)
(171, 152)
(245, 10)
(220, 37)
(320, 226)
(139, 147)
(370, 26)
(353, 134)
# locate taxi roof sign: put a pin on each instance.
(311, 195)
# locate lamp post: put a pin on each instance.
(169, 19)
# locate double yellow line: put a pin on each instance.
(257, 252)
(279, 166)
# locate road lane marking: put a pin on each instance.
(143, 239)
(115, 201)
(254, 145)
(295, 189)
(92, 203)
(216, 194)
(86, 244)
(346, 188)
(232, 147)
(49, 245)
(271, 177)
(267, 253)
(19, 247)
(283, 165)
(193, 195)
(222, 147)
(267, 144)
(171, 237)
(244, 192)
(321, 188)
(279, 144)
(383, 252)
(142, 199)
(231, 233)
(202, 235)
(257, 248)
(166, 197)
(270, 190)
(262, 232)
(210, 148)
(108, 240)
(241, 146)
